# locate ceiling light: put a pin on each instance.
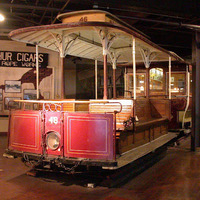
(2, 18)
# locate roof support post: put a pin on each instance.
(134, 70)
(105, 81)
(63, 47)
(62, 77)
(147, 83)
(114, 83)
(188, 95)
(105, 52)
(107, 40)
(60, 41)
(125, 82)
(195, 136)
(37, 72)
(114, 57)
(96, 89)
(62, 57)
(170, 66)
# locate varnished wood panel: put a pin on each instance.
(161, 107)
(125, 114)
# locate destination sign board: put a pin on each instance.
(22, 59)
(84, 16)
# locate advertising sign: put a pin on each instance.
(22, 59)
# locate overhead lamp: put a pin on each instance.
(2, 18)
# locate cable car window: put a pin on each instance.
(178, 85)
(140, 84)
(156, 79)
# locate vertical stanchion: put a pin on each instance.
(96, 96)
(105, 96)
(37, 72)
(134, 71)
(125, 84)
(114, 83)
(170, 95)
(147, 83)
(195, 135)
(62, 77)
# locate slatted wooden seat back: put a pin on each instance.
(143, 110)
(113, 105)
(150, 125)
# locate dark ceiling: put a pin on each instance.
(161, 20)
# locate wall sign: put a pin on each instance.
(22, 59)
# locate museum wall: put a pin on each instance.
(18, 75)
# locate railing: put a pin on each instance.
(58, 104)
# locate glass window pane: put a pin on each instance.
(140, 84)
(156, 79)
(178, 82)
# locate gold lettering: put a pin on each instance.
(5, 56)
(19, 56)
(9, 56)
(41, 58)
(83, 19)
(26, 57)
(32, 57)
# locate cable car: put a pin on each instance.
(117, 129)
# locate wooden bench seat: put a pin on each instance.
(113, 105)
(139, 126)
(148, 114)
(150, 125)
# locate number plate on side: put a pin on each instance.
(88, 136)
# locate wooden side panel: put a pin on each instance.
(81, 107)
(157, 132)
(143, 110)
(177, 104)
(88, 136)
(25, 131)
(162, 106)
(70, 107)
(129, 139)
(164, 129)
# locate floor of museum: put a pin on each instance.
(175, 177)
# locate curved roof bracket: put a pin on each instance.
(69, 45)
(114, 57)
(147, 56)
(107, 39)
(62, 44)
(59, 39)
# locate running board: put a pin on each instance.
(138, 152)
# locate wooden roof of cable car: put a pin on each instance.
(84, 35)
